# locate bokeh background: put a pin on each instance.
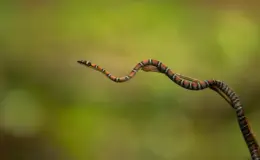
(54, 109)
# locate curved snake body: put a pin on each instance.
(151, 65)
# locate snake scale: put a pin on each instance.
(152, 65)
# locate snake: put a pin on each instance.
(153, 65)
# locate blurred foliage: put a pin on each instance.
(53, 108)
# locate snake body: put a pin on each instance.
(192, 84)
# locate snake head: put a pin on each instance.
(84, 62)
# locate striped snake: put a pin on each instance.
(152, 65)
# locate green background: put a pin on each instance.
(53, 108)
